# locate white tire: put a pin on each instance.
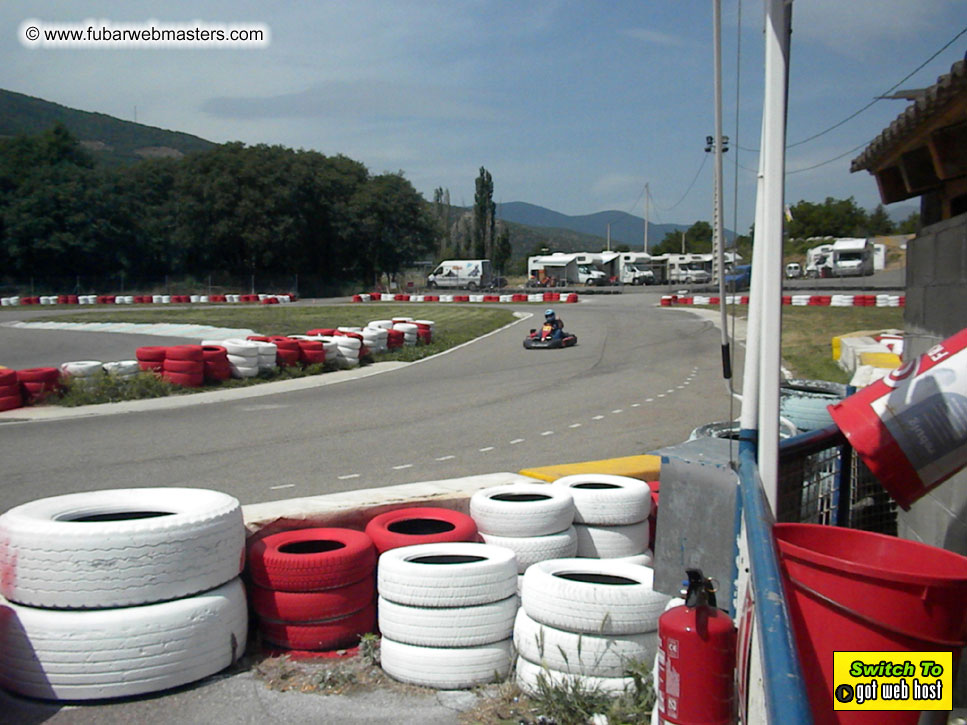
(593, 596)
(445, 669)
(609, 500)
(531, 549)
(611, 542)
(81, 368)
(241, 348)
(122, 367)
(345, 341)
(349, 353)
(119, 547)
(101, 653)
(449, 574)
(581, 654)
(243, 360)
(448, 626)
(381, 324)
(244, 371)
(530, 674)
(522, 509)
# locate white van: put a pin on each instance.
(793, 270)
(458, 273)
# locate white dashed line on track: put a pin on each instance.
(488, 448)
(348, 476)
(636, 405)
(516, 441)
(598, 417)
(618, 410)
(401, 467)
(574, 425)
(284, 485)
(446, 458)
(547, 433)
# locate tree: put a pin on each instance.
(878, 223)
(503, 249)
(698, 239)
(484, 212)
(910, 225)
(832, 218)
(442, 213)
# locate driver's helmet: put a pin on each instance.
(548, 314)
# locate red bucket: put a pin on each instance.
(866, 592)
(910, 428)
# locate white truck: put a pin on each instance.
(688, 269)
(471, 274)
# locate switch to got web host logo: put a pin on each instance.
(892, 680)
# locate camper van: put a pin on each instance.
(852, 258)
(459, 273)
(634, 268)
(688, 269)
(565, 269)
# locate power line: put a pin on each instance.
(874, 101)
(688, 190)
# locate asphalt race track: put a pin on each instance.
(641, 377)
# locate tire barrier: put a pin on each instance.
(446, 613)
(17, 300)
(584, 620)
(216, 364)
(11, 396)
(37, 384)
(570, 298)
(881, 300)
(122, 368)
(80, 369)
(419, 525)
(313, 589)
(93, 581)
(610, 514)
(184, 365)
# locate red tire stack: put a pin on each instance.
(395, 339)
(313, 589)
(151, 358)
(311, 352)
(424, 333)
(420, 525)
(38, 383)
(10, 394)
(322, 331)
(287, 352)
(216, 366)
(184, 365)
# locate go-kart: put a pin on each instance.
(544, 339)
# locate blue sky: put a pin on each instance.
(572, 105)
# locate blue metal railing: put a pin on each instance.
(785, 689)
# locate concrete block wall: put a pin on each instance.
(936, 308)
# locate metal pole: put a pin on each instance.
(774, 167)
(647, 192)
(718, 232)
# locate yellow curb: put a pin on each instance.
(644, 467)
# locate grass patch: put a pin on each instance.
(807, 334)
(454, 325)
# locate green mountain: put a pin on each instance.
(109, 140)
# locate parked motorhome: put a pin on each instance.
(635, 268)
(816, 259)
(687, 268)
(459, 273)
(564, 269)
(852, 258)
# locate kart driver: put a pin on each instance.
(557, 325)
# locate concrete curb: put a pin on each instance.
(353, 509)
(54, 412)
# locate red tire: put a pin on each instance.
(216, 370)
(213, 352)
(190, 367)
(150, 354)
(312, 606)
(185, 352)
(9, 402)
(335, 634)
(39, 375)
(258, 338)
(286, 356)
(7, 390)
(8, 377)
(185, 380)
(322, 331)
(151, 366)
(284, 343)
(405, 527)
(306, 560)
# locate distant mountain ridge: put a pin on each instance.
(109, 140)
(625, 228)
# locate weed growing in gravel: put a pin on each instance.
(106, 388)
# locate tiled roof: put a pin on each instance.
(934, 99)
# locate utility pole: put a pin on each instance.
(646, 217)
(609, 236)
(683, 242)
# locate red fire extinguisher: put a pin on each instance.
(696, 659)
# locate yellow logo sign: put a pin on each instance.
(892, 680)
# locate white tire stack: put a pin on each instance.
(347, 351)
(586, 620)
(610, 514)
(375, 338)
(446, 613)
(409, 330)
(122, 368)
(120, 592)
(79, 370)
(243, 356)
(532, 520)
